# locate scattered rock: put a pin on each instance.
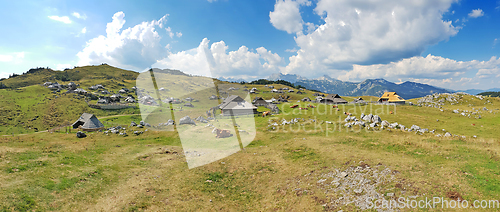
(80, 134)
(343, 174)
(186, 120)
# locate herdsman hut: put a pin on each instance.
(333, 99)
(88, 122)
(259, 101)
(235, 105)
(358, 101)
(391, 97)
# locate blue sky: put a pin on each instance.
(447, 43)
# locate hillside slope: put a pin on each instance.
(85, 74)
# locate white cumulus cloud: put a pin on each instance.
(6, 58)
(12, 57)
(476, 13)
(286, 15)
(84, 30)
(242, 63)
(133, 48)
(431, 69)
(61, 67)
(64, 19)
(368, 32)
(79, 16)
(4, 75)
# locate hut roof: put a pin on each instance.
(232, 98)
(259, 100)
(391, 97)
(334, 98)
(88, 121)
(238, 105)
(235, 102)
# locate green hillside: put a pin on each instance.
(316, 164)
(86, 75)
(26, 106)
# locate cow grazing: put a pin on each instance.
(223, 133)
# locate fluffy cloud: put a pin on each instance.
(84, 30)
(476, 13)
(4, 75)
(6, 58)
(242, 63)
(79, 16)
(64, 19)
(431, 69)
(61, 67)
(372, 32)
(171, 34)
(13, 57)
(286, 15)
(134, 48)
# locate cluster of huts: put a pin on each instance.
(231, 106)
(70, 87)
(235, 105)
(100, 93)
(124, 94)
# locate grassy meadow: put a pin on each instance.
(278, 170)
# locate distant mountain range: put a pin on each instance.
(369, 87)
(373, 87)
(477, 91)
(287, 77)
(231, 79)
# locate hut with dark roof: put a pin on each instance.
(259, 101)
(333, 99)
(358, 101)
(306, 99)
(235, 105)
(88, 122)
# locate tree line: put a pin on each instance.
(490, 93)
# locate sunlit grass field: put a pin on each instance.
(57, 171)
(277, 170)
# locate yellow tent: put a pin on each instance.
(391, 97)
